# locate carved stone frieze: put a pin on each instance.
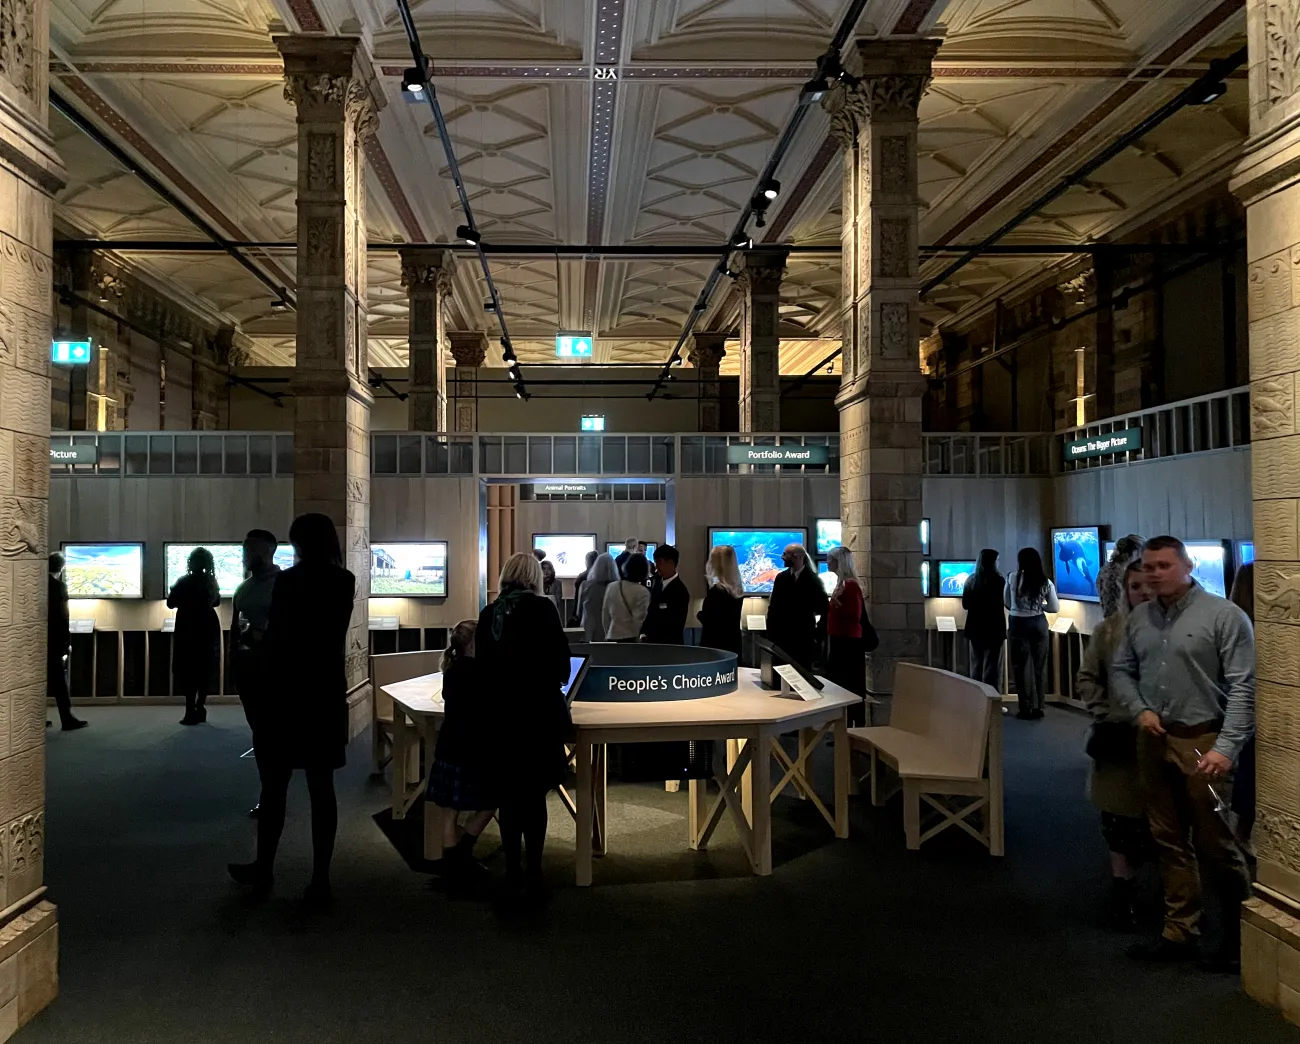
(895, 164)
(1272, 407)
(1277, 837)
(1282, 48)
(322, 167)
(26, 843)
(893, 330)
(18, 45)
(315, 89)
(895, 248)
(1277, 593)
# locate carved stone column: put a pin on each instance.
(760, 339)
(332, 88)
(882, 387)
(706, 357)
(426, 274)
(469, 350)
(1267, 180)
(30, 173)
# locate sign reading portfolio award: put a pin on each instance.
(778, 455)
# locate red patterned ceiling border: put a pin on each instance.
(657, 73)
(309, 19)
(1080, 130)
(267, 68)
(383, 169)
(913, 15)
(163, 166)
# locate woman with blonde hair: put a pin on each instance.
(523, 657)
(462, 778)
(719, 616)
(846, 661)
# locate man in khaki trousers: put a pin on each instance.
(1185, 670)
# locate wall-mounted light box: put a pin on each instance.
(70, 353)
(573, 346)
(593, 422)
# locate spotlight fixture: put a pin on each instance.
(413, 82)
(741, 241)
(470, 235)
(814, 90)
(771, 189)
(677, 360)
(280, 304)
(489, 306)
(1213, 92)
(513, 371)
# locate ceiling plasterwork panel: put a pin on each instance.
(737, 30)
(490, 30)
(143, 28)
(709, 143)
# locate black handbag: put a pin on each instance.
(870, 640)
(1114, 742)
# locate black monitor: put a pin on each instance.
(772, 656)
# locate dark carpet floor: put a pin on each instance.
(847, 941)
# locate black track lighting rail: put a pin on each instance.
(765, 182)
(1203, 91)
(419, 73)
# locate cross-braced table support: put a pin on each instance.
(745, 775)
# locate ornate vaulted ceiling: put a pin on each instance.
(630, 122)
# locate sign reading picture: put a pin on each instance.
(74, 454)
(1104, 445)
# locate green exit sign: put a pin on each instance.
(70, 353)
(593, 422)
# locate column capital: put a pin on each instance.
(468, 347)
(427, 268)
(708, 351)
(330, 78)
(762, 270)
(892, 78)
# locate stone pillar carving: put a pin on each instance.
(882, 386)
(706, 357)
(1267, 180)
(469, 350)
(426, 274)
(332, 87)
(760, 339)
(30, 173)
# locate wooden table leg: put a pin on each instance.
(600, 803)
(584, 798)
(843, 775)
(433, 825)
(760, 815)
(734, 747)
(698, 810)
(401, 741)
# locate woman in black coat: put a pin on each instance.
(719, 616)
(986, 620)
(306, 717)
(521, 648)
(196, 645)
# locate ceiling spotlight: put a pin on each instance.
(469, 234)
(280, 304)
(814, 90)
(513, 371)
(677, 360)
(741, 241)
(1211, 93)
(413, 82)
(771, 189)
(489, 306)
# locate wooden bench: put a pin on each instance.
(944, 741)
(384, 670)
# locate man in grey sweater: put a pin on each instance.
(1185, 671)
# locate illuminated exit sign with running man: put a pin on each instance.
(573, 346)
(70, 353)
